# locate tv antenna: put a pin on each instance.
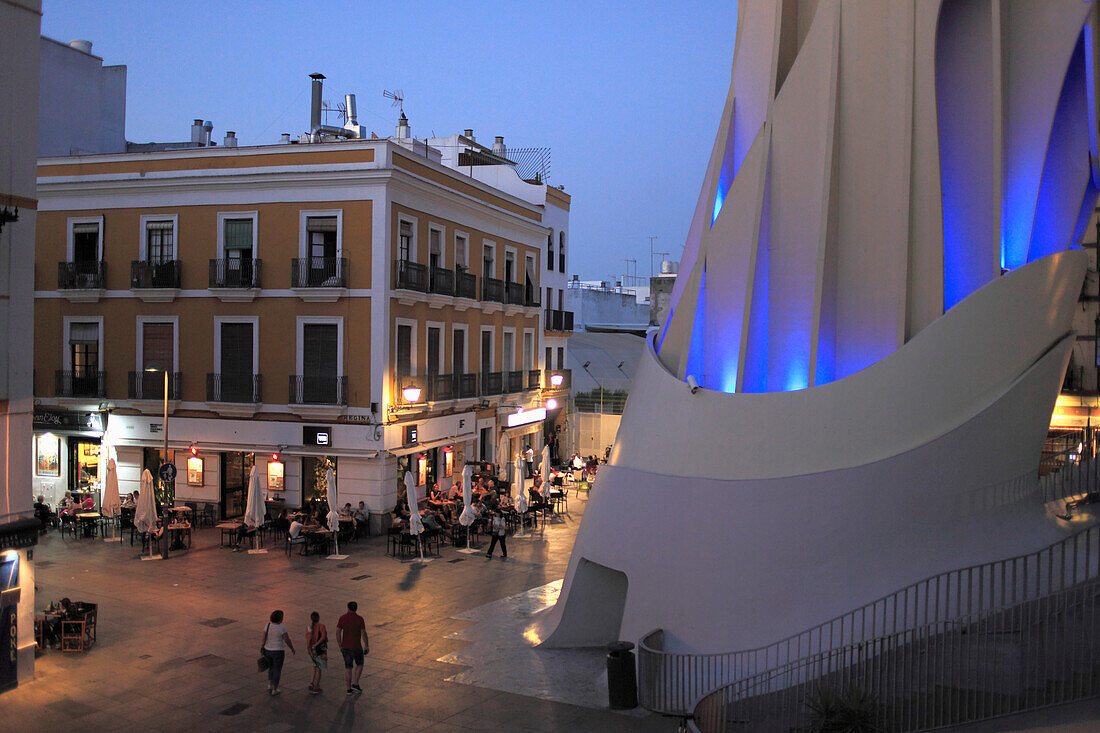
(397, 96)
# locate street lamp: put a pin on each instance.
(154, 367)
(411, 394)
(585, 366)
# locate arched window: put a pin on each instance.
(550, 251)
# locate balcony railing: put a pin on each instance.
(416, 387)
(492, 289)
(465, 284)
(559, 320)
(243, 388)
(465, 386)
(534, 378)
(150, 385)
(411, 276)
(514, 294)
(514, 381)
(319, 272)
(155, 274)
(83, 383)
(492, 383)
(441, 387)
(531, 297)
(310, 390)
(236, 273)
(442, 281)
(563, 376)
(81, 275)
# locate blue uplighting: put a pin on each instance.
(698, 333)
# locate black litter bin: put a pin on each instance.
(622, 684)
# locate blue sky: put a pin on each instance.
(626, 95)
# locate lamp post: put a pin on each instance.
(585, 366)
(154, 367)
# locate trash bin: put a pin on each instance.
(622, 683)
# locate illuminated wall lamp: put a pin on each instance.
(411, 394)
(557, 379)
(551, 404)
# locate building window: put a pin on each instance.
(550, 252)
(435, 248)
(528, 350)
(404, 350)
(462, 253)
(435, 349)
(458, 351)
(509, 351)
(84, 350)
(488, 261)
(530, 286)
(321, 363)
(85, 241)
(509, 266)
(561, 357)
(160, 242)
(235, 347)
(486, 351)
(405, 241)
(561, 251)
(549, 363)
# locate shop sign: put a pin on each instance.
(64, 420)
(410, 435)
(316, 435)
(526, 417)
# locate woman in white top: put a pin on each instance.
(276, 639)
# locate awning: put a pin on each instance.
(428, 445)
(533, 427)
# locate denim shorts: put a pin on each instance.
(352, 657)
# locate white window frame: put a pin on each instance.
(534, 350)
(465, 328)
(223, 216)
(492, 247)
(412, 324)
(299, 354)
(140, 325)
(66, 326)
(255, 321)
(491, 330)
(433, 227)
(69, 235)
(515, 263)
(465, 238)
(412, 221)
(303, 236)
(442, 345)
(503, 360)
(143, 244)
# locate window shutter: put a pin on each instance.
(238, 234)
(86, 228)
(236, 349)
(319, 350)
(157, 345)
(83, 333)
(321, 224)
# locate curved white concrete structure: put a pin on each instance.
(874, 394)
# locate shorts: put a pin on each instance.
(352, 657)
(320, 663)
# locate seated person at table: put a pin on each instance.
(536, 500)
(132, 499)
(435, 496)
(504, 501)
(67, 612)
(68, 505)
(361, 517)
(295, 529)
(43, 512)
(401, 512)
(346, 511)
(281, 522)
(88, 505)
(455, 492)
(578, 462)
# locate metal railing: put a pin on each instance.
(311, 390)
(534, 378)
(441, 387)
(465, 285)
(441, 281)
(410, 276)
(492, 383)
(1069, 476)
(492, 290)
(150, 385)
(557, 320)
(155, 274)
(81, 275)
(975, 667)
(319, 272)
(80, 383)
(465, 386)
(236, 273)
(241, 388)
(607, 402)
(513, 381)
(513, 293)
(672, 682)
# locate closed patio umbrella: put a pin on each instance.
(467, 517)
(254, 511)
(544, 468)
(111, 505)
(416, 527)
(502, 458)
(145, 515)
(519, 494)
(333, 516)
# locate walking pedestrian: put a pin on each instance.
(351, 634)
(276, 639)
(498, 531)
(317, 646)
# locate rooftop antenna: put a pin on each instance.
(397, 96)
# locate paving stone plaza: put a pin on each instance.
(178, 639)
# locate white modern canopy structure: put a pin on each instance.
(875, 303)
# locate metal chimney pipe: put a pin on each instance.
(315, 102)
(349, 102)
(207, 128)
(284, 139)
(196, 132)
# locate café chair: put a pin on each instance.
(300, 540)
(73, 635)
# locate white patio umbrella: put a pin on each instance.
(254, 512)
(502, 458)
(468, 516)
(545, 467)
(333, 516)
(519, 494)
(416, 527)
(145, 515)
(111, 505)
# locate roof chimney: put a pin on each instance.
(196, 132)
(469, 133)
(81, 45)
(403, 130)
(284, 139)
(207, 128)
(230, 140)
(315, 102)
(498, 146)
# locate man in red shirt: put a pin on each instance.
(351, 633)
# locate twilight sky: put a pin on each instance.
(626, 94)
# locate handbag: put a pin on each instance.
(264, 662)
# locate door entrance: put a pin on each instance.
(235, 470)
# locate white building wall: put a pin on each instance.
(83, 103)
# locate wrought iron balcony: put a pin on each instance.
(310, 390)
(513, 294)
(80, 383)
(465, 284)
(319, 272)
(514, 382)
(557, 320)
(441, 281)
(236, 273)
(441, 387)
(534, 379)
(492, 290)
(150, 385)
(81, 275)
(411, 276)
(466, 386)
(492, 383)
(144, 275)
(242, 388)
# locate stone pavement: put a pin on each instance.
(178, 640)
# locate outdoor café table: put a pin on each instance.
(178, 531)
(178, 510)
(87, 521)
(318, 539)
(229, 529)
